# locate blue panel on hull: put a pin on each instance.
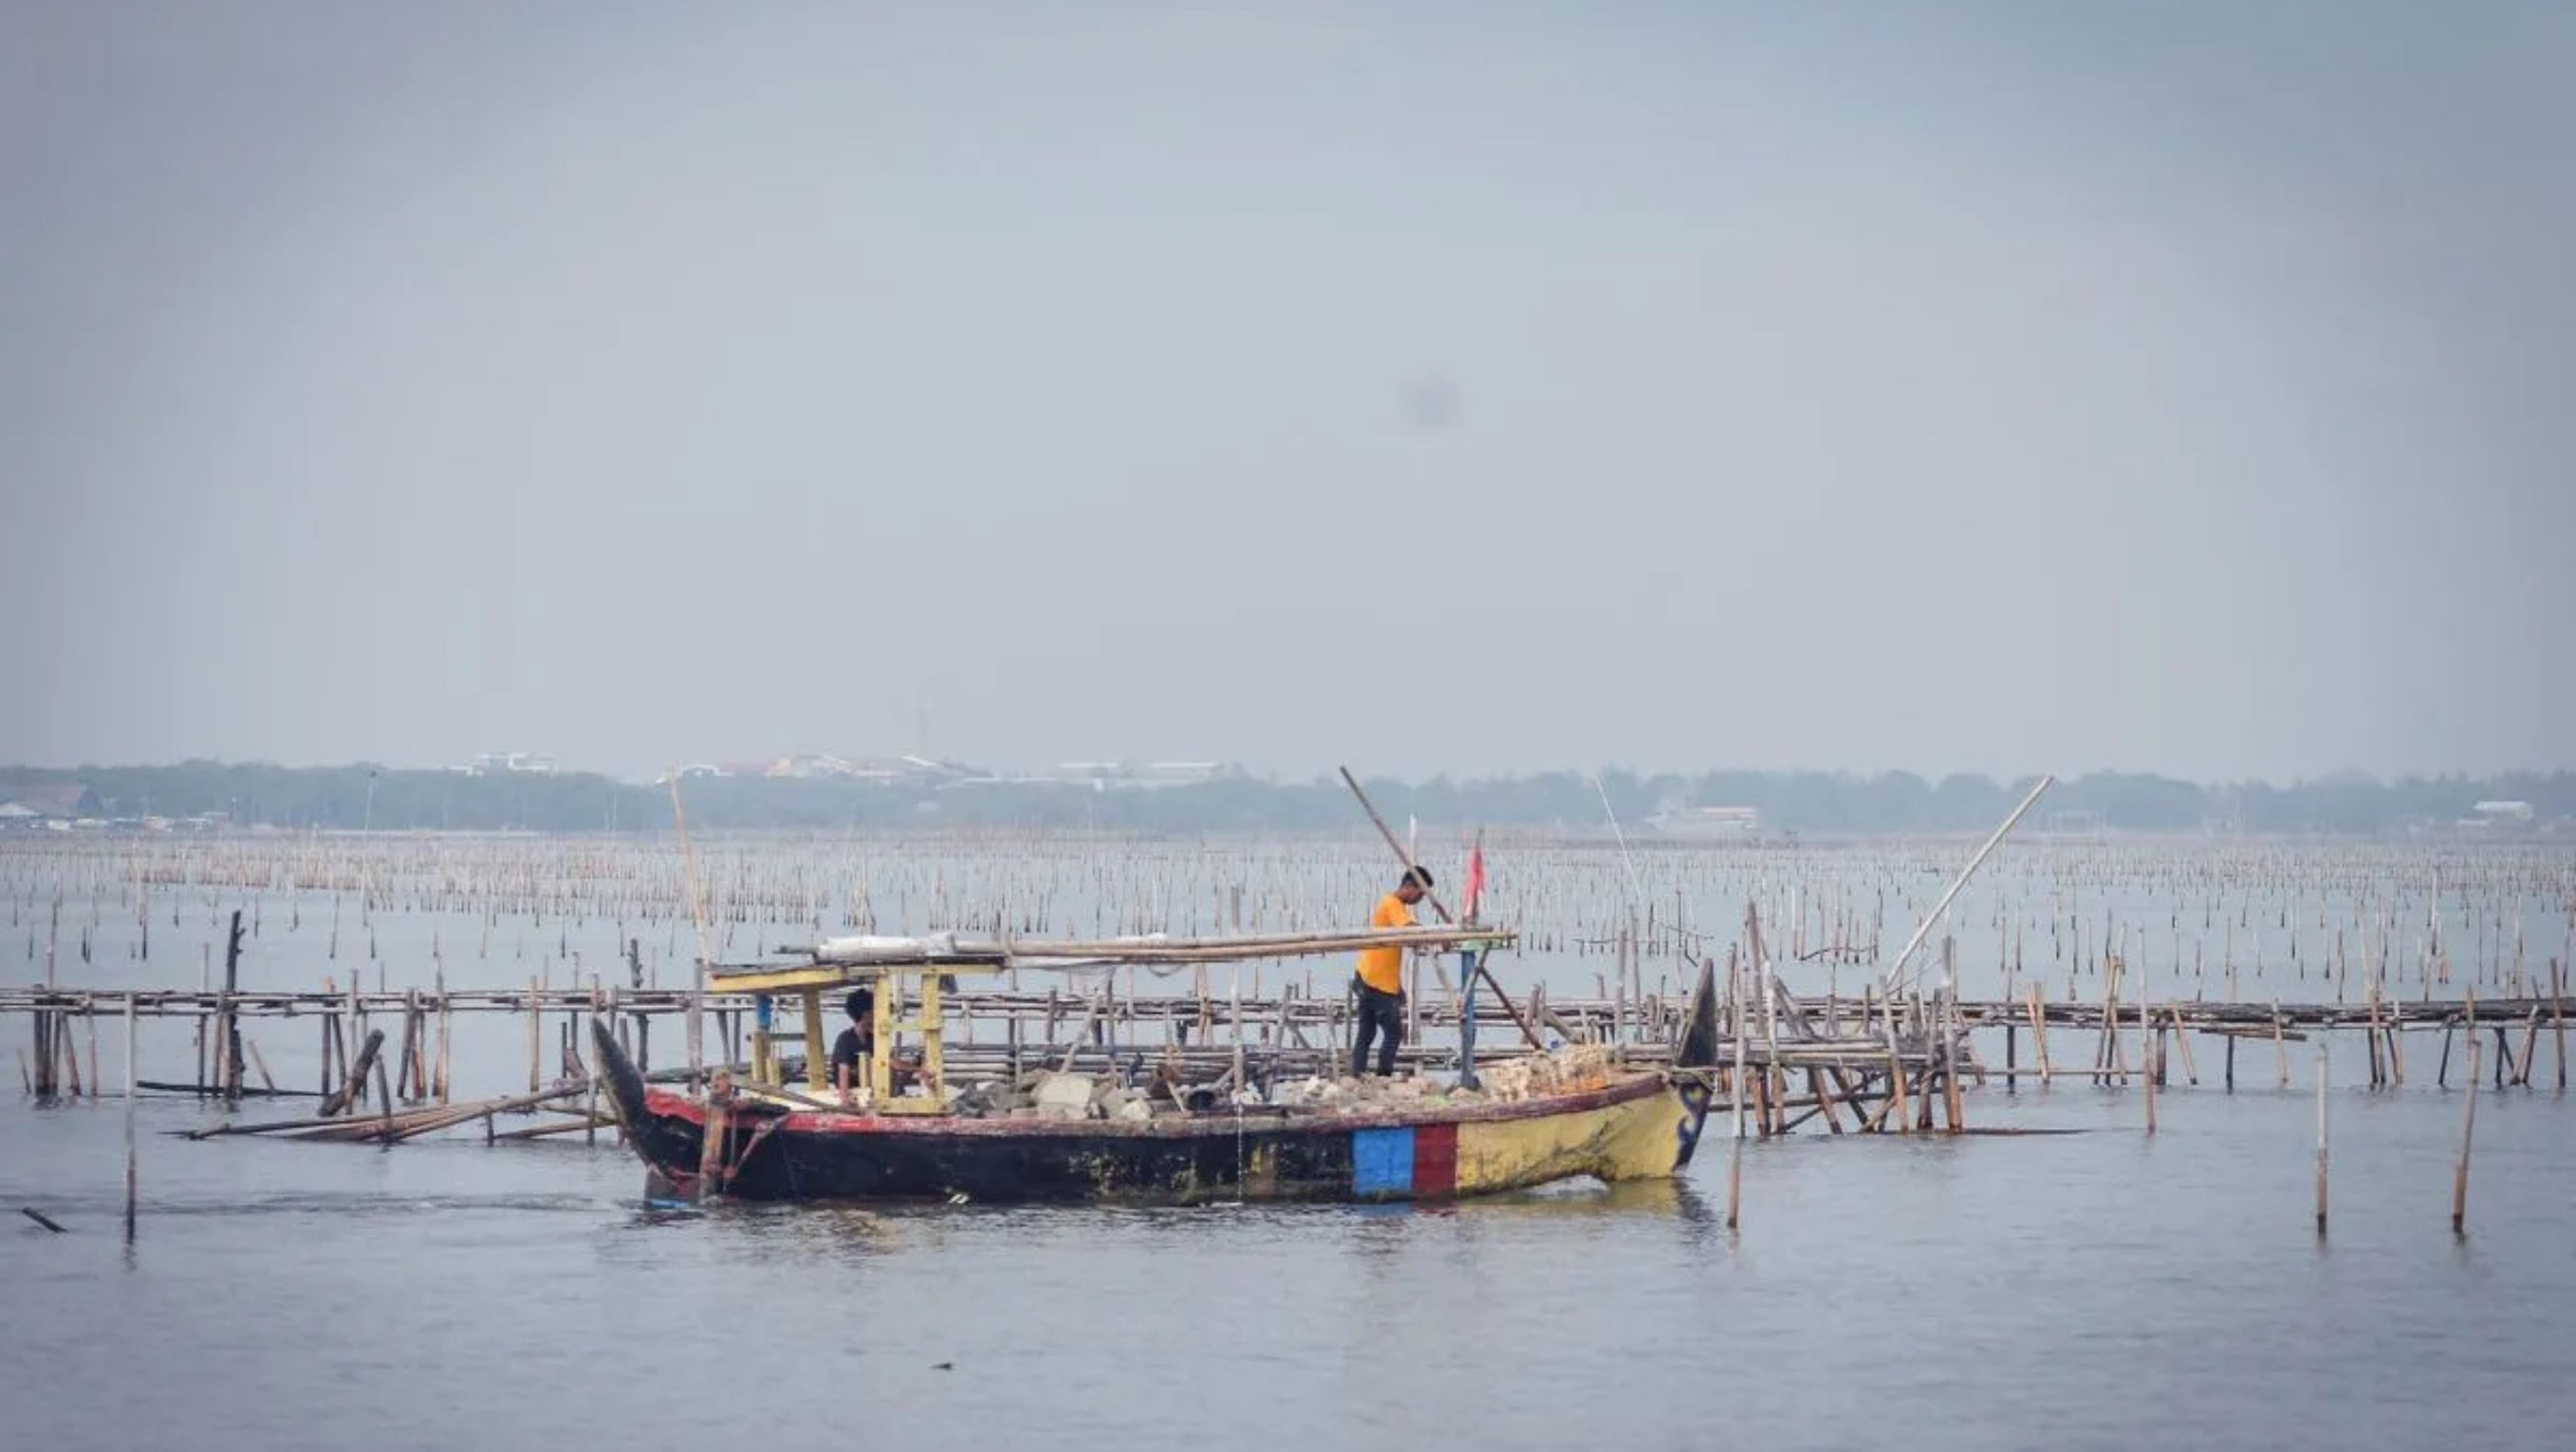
(1382, 1163)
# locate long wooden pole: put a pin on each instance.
(1922, 930)
(1437, 906)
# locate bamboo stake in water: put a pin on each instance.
(2152, 1048)
(2321, 1139)
(131, 1177)
(2281, 1043)
(2558, 1016)
(1735, 1155)
(2039, 1033)
(590, 1097)
(2468, 1131)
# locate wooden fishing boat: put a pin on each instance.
(758, 1138)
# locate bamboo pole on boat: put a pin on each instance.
(711, 1142)
(698, 918)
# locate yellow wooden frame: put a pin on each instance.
(764, 1056)
(817, 1064)
(894, 983)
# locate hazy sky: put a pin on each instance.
(1463, 386)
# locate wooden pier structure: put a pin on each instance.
(1870, 1063)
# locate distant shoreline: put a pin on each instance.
(1716, 806)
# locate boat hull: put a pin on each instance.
(1637, 1127)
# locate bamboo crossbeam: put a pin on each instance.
(2251, 1018)
(1045, 953)
(365, 1127)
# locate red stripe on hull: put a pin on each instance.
(1435, 1161)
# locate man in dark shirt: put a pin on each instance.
(851, 1051)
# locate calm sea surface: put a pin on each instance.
(2094, 1289)
(2100, 1289)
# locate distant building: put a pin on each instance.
(49, 802)
(810, 766)
(1119, 775)
(824, 766)
(1681, 821)
(506, 763)
(2498, 819)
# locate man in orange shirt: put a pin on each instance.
(1380, 980)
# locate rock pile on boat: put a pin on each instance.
(1574, 1069)
(1050, 1094)
(1059, 1095)
(1563, 1071)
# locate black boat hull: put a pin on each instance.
(1636, 1127)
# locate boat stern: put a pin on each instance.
(667, 1139)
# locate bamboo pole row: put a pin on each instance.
(2214, 914)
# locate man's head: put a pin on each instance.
(863, 1006)
(1410, 890)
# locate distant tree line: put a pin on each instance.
(362, 795)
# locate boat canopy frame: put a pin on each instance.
(917, 971)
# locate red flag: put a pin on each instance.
(1475, 878)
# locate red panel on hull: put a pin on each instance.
(1435, 1161)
